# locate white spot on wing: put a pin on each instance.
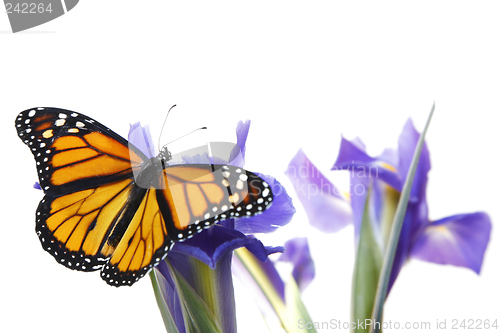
(60, 122)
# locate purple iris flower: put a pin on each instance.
(458, 240)
(214, 246)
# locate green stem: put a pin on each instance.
(383, 282)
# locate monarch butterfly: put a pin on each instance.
(109, 207)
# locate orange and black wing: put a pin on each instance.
(74, 152)
(117, 227)
(196, 196)
(87, 173)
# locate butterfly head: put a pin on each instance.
(165, 155)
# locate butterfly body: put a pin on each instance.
(109, 207)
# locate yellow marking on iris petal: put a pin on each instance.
(443, 230)
(388, 166)
(48, 134)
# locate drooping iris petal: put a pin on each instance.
(326, 208)
(210, 245)
(140, 137)
(36, 186)
(297, 253)
(279, 214)
(458, 240)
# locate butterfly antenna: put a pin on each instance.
(201, 128)
(164, 122)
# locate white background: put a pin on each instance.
(304, 73)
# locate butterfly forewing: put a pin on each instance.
(73, 151)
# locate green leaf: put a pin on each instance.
(366, 272)
(296, 308)
(385, 274)
(251, 264)
(290, 312)
(198, 317)
(158, 282)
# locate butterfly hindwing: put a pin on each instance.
(143, 244)
(75, 228)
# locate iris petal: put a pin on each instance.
(297, 253)
(458, 240)
(354, 159)
(326, 208)
(406, 147)
(279, 214)
(140, 137)
(210, 245)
